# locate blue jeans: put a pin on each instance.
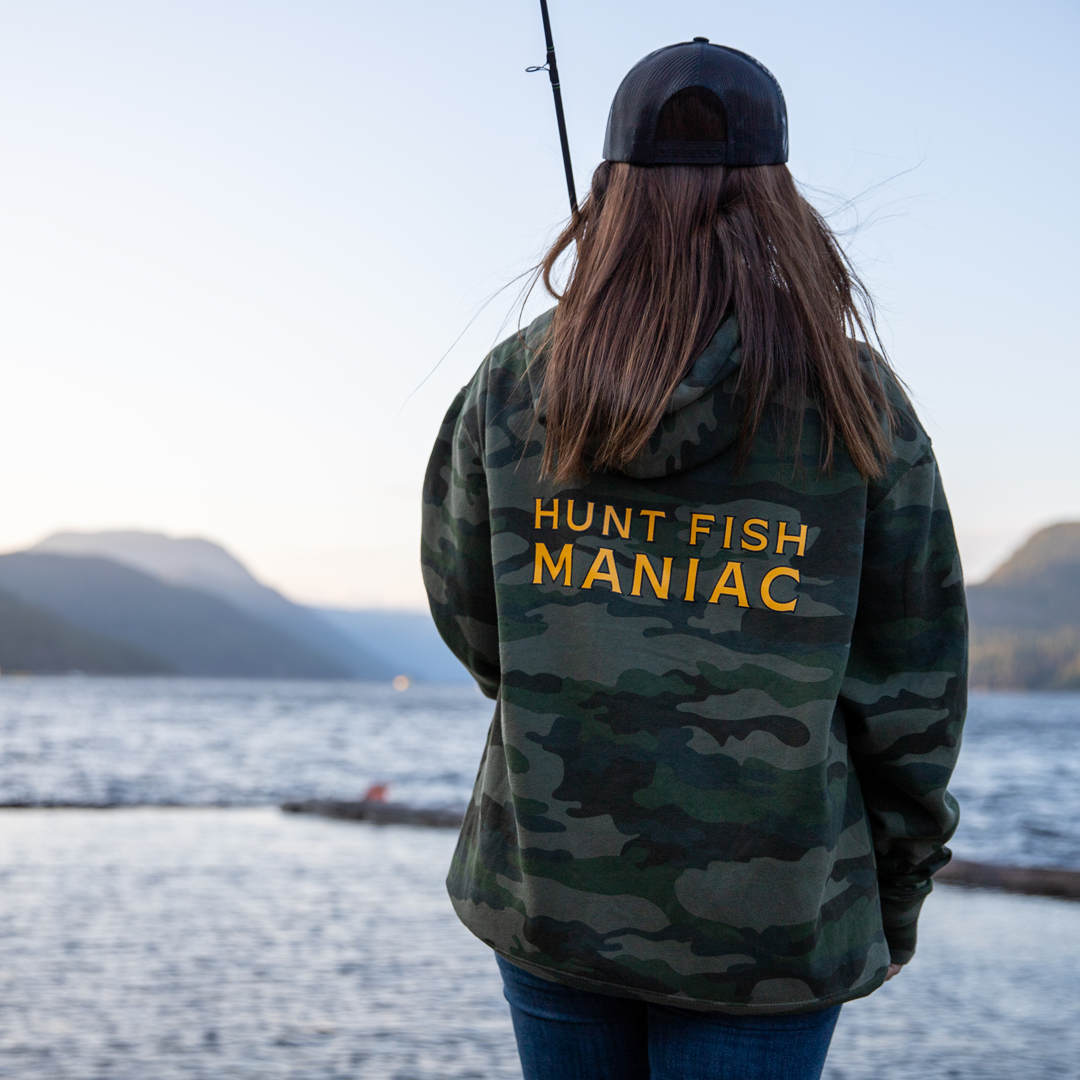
(567, 1034)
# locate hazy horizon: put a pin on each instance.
(421, 608)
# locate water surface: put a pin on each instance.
(247, 944)
(254, 743)
(197, 933)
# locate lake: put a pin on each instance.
(196, 931)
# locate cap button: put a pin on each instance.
(704, 40)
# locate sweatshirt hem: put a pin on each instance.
(680, 1001)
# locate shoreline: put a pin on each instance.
(1055, 882)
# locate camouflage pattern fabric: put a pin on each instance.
(728, 701)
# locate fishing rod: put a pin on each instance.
(553, 74)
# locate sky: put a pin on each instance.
(249, 251)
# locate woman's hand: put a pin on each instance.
(894, 969)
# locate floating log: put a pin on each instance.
(1032, 880)
(377, 812)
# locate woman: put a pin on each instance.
(692, 539)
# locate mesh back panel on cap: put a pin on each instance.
(752, 101)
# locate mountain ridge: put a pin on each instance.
(1050, 546)
(191, 631)
(1025, 617)
(201, 564)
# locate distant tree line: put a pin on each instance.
(1025, 618)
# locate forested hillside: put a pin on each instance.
(32, 640)
(1025, 618)
(186, 630)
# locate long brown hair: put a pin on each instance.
(663, 254)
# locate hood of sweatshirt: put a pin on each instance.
(703, 415)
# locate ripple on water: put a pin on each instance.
(251, 945)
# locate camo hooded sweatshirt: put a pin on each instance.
(728, 700)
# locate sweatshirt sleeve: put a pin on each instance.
(905, 693)
(455, 550)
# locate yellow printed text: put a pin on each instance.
(643, 565)
(766, 586)
(759, 540)
(732, 572)
(553, 513)
(570, 517)
(695, 528)
(565, 565)
(606, 557)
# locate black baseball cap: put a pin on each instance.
(732, 110)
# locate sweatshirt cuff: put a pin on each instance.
(900, 918)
